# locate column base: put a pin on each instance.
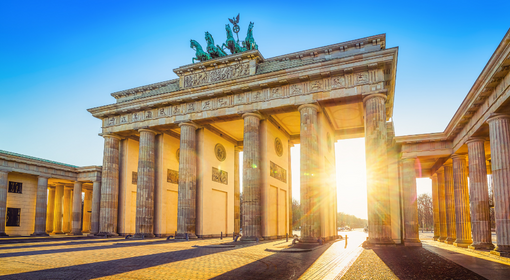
(106, 234)
(143, 235)
(462, 243)
(58, 232)
(78, 232)
(183, 236)
(436, 238)
(35, 234)
(481, 246)
(501, 250)
(309, 240)
(450, 240)
(412, 243)
(3, 234)
(251, 238)
(442, 239)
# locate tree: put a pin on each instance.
(352, 221)
(425, 211)
(296, 214)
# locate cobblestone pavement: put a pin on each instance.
(160, 259)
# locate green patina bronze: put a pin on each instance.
(249, 42)
(200, 55)
(231, 44)
(214, 50)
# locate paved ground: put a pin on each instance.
(85, 258)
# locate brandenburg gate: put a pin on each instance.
(171, 149)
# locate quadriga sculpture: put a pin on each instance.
(214, 50)
(200, 55)
(231, 43)
(249, 42)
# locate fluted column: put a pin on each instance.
(76, 212)
(289, 188)
(186, 206)
(4, 185)
(435, 206)
(479, 195)
(462, 212)
(57, 218)
(442, 204)
(87, 206)
(50, 209)
(499, 133)
(109, 186)
(237, 193)
(96, 206)
(252, 215)
(411, 232)
(378, 193)
(309, 150)
(145, 184)
(66, 226)
(451, 229)
(41, 207)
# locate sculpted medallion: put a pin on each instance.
(278, 147)
(220, 152)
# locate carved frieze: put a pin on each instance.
(172, 176)
(216, 75)
(220, 176)
(278, 172)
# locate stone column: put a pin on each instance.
(186, 206)
(50, 209)
(479, 195)
(310, 220)
(379, 217)
(96, 205)
(450, 204)
(499, 133)
(76, 212)
(66, 227)
(252, 215)
(87, 204)
(4, 185)
(237, 193)
(435, 206)
(40, 207)
(109, 186)
(289, 189)
(442, 204)
(145, 184)
(57, 219)
(462, 214)
(411, 224)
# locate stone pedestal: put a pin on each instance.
(411, 230)
(435, 208)
(4, 185)
(499, 132)
(109, 186)
(462, 214)
(41, 207)
(50, 209)
(66, 219)
(451, 229)
(479, 196)
(145, 184)
(379, 217)
(442, 205)
(237, 193)
(309, 150)
(186, 206)
(57, 218)
(252, 214)
(76, 213)
(96, 205)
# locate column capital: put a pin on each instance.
(195, 126)
(111, 136)
(148, 130)
(496, 116)
(440, 170)
(433, 175)
(5, 171)
(476, 139)
(408, 159)
(253, 115)
(309, 106)
(458, 157)
(43, 176)
(380, 95)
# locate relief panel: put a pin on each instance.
(278, 172)
(220, 176)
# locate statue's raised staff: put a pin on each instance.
(249, 42)
(200, 55)
(231, 44)
(214, 50)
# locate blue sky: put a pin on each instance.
(59, 58)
